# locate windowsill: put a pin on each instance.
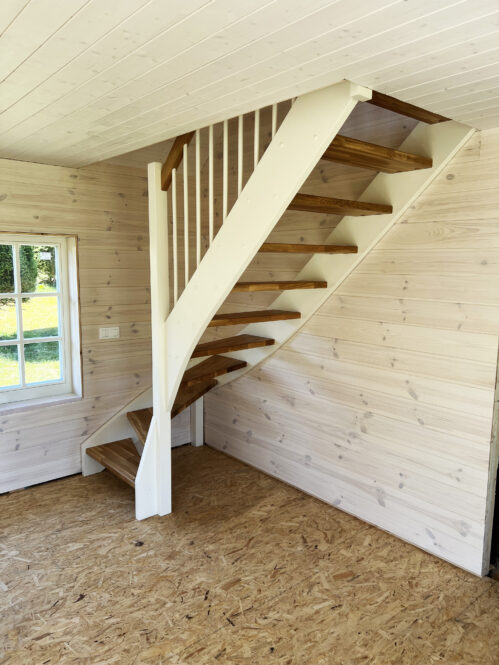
(16, 407)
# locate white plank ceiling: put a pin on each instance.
(85, 80)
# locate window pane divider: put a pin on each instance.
(32, 340)
(43, 294)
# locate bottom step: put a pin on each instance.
(120, 458)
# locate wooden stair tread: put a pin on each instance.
(119, 457)
(279, 286)
(371, 156)
(235, 318)
(228, 344)
(187, 395)
(404, 108)
(333, 206)
(140, 420)
(211, 368)
(299, 248)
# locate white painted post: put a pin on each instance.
(225, 170)
(256, 139)
(197, 423)
(186, 215)
(239, 154)
(198, 197)
(153, 480)
(210, 184)
(174, 235)
(274, 119)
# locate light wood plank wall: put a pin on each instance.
(382, 404)
(106, 207)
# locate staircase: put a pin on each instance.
(188, 288)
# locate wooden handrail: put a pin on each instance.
(174, 158)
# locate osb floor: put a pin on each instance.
(246, 570)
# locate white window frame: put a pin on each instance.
(69, 385)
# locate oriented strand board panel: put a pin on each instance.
(106, 208)
(92, 79)
(247, 570)
(382, 404)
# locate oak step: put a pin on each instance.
(235, 318)
(299, 248)
(246, 287)
(404, 108)
(120, 458)
(331, 206)
(140, 420)
(187, 395)
(350, 151)
(211, 368)
(228, 344)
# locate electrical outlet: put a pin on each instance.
(109, 333)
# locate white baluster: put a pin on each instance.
(174, 235)
(239, 155)
(186, 215)
(274, 119)
(168, 267)
(225, 172)
(256, 139)
(198, 197)
(210, 183)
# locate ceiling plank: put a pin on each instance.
(33, 26)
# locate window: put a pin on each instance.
(39, 333)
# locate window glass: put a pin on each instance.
(6, 269)
(38, 265)
(8, 319)
(41, 316)
(42, 362)
(9, 366)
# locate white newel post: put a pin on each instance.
(153, 481)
